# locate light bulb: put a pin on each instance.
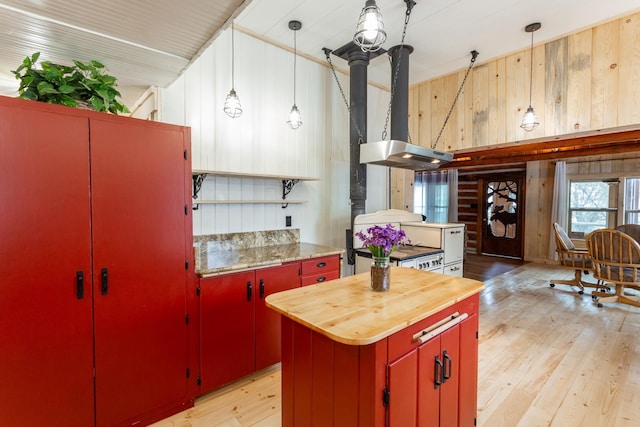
(295, 119)
(370, 34)
(529, 120)
(232, 105)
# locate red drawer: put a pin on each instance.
(319, 278)
(401, 342)
(320, 265)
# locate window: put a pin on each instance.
(431, 195)
(632, 201)
(592, 205)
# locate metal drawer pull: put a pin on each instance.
(437, 373)
(321, 279)
(321, 264)
(439, 327)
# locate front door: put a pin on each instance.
(502, 214)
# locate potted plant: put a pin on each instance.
(81, 84)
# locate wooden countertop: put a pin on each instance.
(348, 311)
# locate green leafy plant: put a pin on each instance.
(69, 85)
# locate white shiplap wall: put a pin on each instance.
(261, 142)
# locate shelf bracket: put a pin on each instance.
(287, 186)
(198, 179)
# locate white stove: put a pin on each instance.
(411, 256)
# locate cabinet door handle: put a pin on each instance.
(446, 371)
(261, 288)
(105, 281)
(438, 367)
(80, 284)
(249, 290)
(321, 279)
(321, 264)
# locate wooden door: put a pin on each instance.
(268, 335)
(227, 346)
(502, 214)
(139, 213)
(46, 362)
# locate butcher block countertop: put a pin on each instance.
(347, 311)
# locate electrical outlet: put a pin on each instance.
(288, 221)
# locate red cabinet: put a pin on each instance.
(423, 375)
(94, 257)
(321, 269)
(238, 333)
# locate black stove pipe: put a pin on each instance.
(358, 62)
(400, 101)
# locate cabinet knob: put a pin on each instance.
(321, 264)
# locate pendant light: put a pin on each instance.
(530, 120)
(295, 119)
(232, 105)
(370, 34)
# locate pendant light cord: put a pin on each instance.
(474, 55)
(233, 58)
(531, 69)
(295, 55)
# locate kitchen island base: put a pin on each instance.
(424, 374)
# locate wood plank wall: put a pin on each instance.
(584, 81)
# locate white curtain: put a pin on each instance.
(559, 206)
(452, 180)
(432, 195)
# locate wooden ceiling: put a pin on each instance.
(611, 142)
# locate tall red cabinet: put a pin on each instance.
(95, 260)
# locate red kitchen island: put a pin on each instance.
(405, 357)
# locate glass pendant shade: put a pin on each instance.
(232, 105)
(529, 120)
(370, 34)
(295, 119)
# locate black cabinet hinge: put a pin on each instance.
(198, 381)
(197, 291)
(188, 372)
(475, 422)
(386, 396)
(186, 156)
(186, 210)
(186, 319)
(186, 265)
(476, 334)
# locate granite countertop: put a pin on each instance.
(346, 310)
(234, 259)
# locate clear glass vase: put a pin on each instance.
(380, 274)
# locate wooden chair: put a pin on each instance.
(615, 258)
(632, 230)
(572, 257)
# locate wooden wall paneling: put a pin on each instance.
(424, 118)
(414, 116)
(467, 208)
(464, 133)
(450, 132)
(516, 95)
(579, 82)
(192, 114)
(556, 66)
(496, 108)
(539, 199)
(480, 105)
(438, 112)
(629, 69)
(207, 91)
(538, 96)
(604, 75)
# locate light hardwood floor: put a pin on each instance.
(547, 357)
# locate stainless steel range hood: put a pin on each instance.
(400, 154)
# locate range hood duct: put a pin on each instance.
(396, 152)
